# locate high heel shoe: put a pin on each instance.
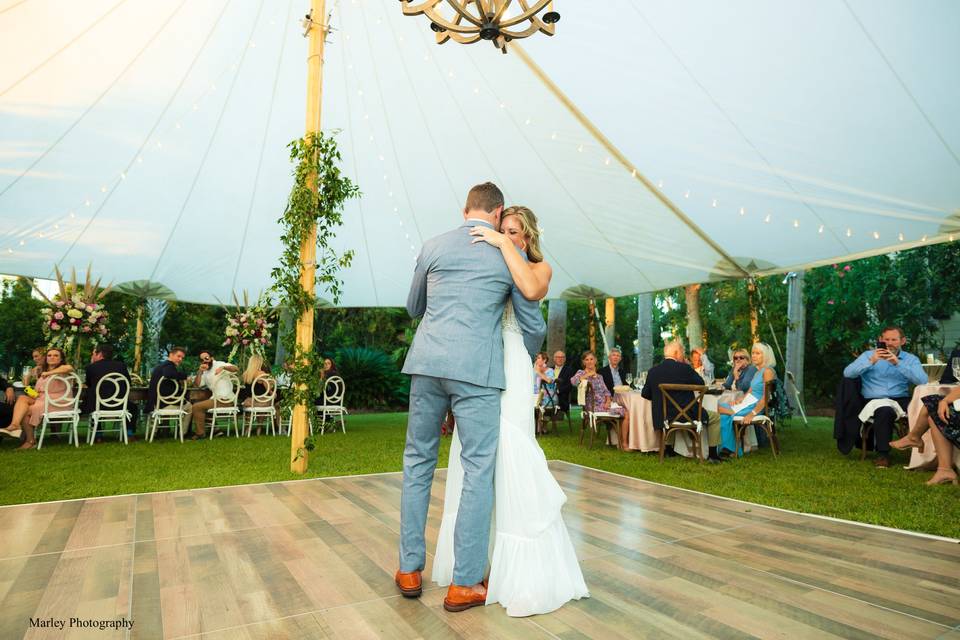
(942, 477)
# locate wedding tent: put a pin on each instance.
(661, 143)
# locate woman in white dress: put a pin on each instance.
(534, 567)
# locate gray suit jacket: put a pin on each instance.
(460, 290)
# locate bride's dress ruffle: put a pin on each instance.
(534, 566)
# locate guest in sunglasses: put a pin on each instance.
(742, 373)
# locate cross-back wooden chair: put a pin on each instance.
(689, 418)
(592, 418)
(762, 420)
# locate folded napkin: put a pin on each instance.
(872, 406)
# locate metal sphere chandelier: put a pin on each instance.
(500, 21)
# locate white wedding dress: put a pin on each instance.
(534, 567)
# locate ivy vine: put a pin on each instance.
(315, 155)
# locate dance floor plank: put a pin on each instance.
(315, 559)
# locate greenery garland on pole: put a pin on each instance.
(317, 155)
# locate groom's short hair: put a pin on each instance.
(486, 196)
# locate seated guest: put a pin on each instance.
(613, 374)
(39, 358)
(102, 363)
(948, 377)
(169, 369)
(7, 401)
(675, 370)
(753, 403)
(602, 400)
(701, 364)
(886, 373)
(28, 412)
(562, 372)
(543, 377)
(742, 373)
(943, 420)
(252, 382)
(208, 376)
(329, 369)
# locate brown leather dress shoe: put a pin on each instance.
(881, 462)
(409, 584)
(463, 598)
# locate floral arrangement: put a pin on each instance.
(75, 317)
(248, 328)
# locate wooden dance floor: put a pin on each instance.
(315, 559)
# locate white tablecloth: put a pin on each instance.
(927, 459)
(643, 437)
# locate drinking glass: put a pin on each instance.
(955, 365)
(630, 378)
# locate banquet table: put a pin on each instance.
(643, 437)
(927, 459)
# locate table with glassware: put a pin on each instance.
(643, 437)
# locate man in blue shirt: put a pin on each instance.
(886, 373)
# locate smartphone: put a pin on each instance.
(881, 344)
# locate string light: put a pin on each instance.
(714, 204)
(900, 237)
(820, 229)
(876, 235)
(767, 218)
(686, 194)
(796, 224)
(849, 232)
(743, 211)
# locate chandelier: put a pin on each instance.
(500, 21)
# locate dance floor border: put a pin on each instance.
(919, 534)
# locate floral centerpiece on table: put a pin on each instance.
(248, 328)
(75, 318)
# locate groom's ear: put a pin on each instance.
(466, 212)
(496, 216)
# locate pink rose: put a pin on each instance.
(829, 301)
(846, 268)
(58, 315)
(59, 303)
(227, 342)
(246, 341)
(263, 341)
(55, 326)
(85, 329)
(90, 307)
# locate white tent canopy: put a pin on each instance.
(660, 143)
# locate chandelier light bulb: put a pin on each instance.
(497, 21)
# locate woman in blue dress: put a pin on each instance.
(753, 403)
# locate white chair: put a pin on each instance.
(169, 407)
(225, 403)
(64, 409)
(333, 391)
(110, 408)
(261, 404)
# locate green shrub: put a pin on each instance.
(373, 380)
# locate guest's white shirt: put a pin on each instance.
(216, 383)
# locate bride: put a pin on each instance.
(534, 567)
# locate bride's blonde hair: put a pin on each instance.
(530, 229)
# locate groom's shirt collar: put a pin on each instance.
(472, 222)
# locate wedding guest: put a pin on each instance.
(938, 415)
(28, 412)
(948, 377)
(562, 372)
(602, 399)
(675, 370)
(543, 377)
(753, 404)
(701, 364)
(33, 374)
(329, 369)
(208, 377)
(7, 401)
(741, 375)
(613, 374)
(886, 373)
(101, 364)
(253, 382)
(169, 369)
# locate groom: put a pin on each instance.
(456, 362)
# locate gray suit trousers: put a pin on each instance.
(477, 410)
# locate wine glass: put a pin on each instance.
(955, 365)
(630, 378)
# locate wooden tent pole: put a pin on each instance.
(138, 344)
(308, 250)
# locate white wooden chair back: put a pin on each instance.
(223, 396)
(334, 390)
(116, 401)
(268, 385)
(173, 399)
(69, 401)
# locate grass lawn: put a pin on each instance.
(810, 476)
